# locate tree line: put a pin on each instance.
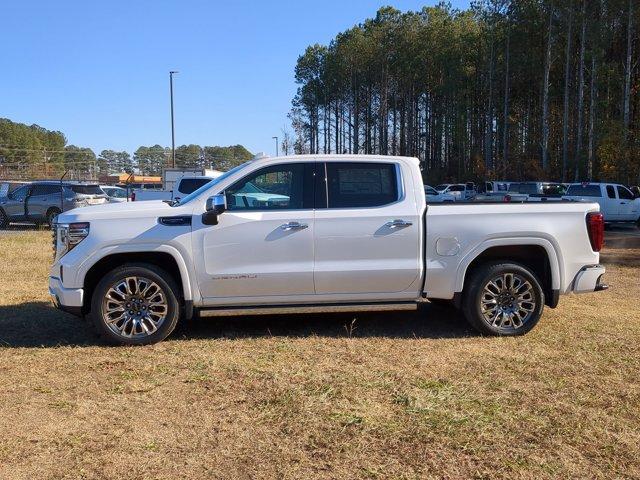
(31, 150)
(514, 89)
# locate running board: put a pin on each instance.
(298, 309)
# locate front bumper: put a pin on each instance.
(589, 279)
(69, 300)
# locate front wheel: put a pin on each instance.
(503, 299)
(135, 305)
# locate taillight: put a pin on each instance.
(595, 227)
(506, 198)
(133, 196)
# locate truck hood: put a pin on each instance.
(128, 210)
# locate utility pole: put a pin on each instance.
(276, 139)
(173, 133)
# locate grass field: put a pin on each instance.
(400, 395)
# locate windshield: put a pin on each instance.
(441, 187)
(430, 190)
(456, 188)
(212, 183)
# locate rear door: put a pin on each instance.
(367, 230)
(610, 203)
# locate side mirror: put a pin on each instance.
(216, 205)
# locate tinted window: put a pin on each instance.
(352, 185)
(39, 189)
(189, 185)
(526, 188)
(553, 189)
(441, 187)
(611, 192)
(20, 194)
(86, 189)
(456, 188)
(278, 187)
(430, 191)
(584, 191)
(624, 194)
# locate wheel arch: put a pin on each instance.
(165, 258)
(537, 254)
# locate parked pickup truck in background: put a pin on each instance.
(40, 202)
(459, 191)
(617, 203)
(523, 192)
(327, 233)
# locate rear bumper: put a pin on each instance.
(66, 299)
(589, 279)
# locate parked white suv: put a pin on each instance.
(328, 233)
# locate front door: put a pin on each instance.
(15, 206)
(262, 247)
(627, 207)
(367, 240)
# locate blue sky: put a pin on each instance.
(98, 71)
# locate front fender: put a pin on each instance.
(85, 266)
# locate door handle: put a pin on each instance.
(398, 224)
(293, 226)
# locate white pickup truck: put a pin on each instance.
(327, 233)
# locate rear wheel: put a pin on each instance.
(503, 299)
(52, 213)
(135, 305)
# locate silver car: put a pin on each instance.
(41, 202)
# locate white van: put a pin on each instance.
(617, 202)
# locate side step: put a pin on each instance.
(299, 309)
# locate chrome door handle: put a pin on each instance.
(294, 226)
(398, 224)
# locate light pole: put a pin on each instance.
(276, 139)
(173, 133)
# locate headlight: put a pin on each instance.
(68, 235)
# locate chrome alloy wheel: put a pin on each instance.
(134, 307)
(508, 301)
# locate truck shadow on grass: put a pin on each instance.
(38, 324)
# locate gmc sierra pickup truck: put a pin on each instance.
(328, 233)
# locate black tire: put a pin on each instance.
(52, 213)
(167, 286)
(475, 293)
(4, 220)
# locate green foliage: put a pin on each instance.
(463, 90)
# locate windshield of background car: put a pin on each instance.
(584, 191)
(456, 188)
(441, 187)
(212, 183)
(430, 191)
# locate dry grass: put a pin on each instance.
(396, 396)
